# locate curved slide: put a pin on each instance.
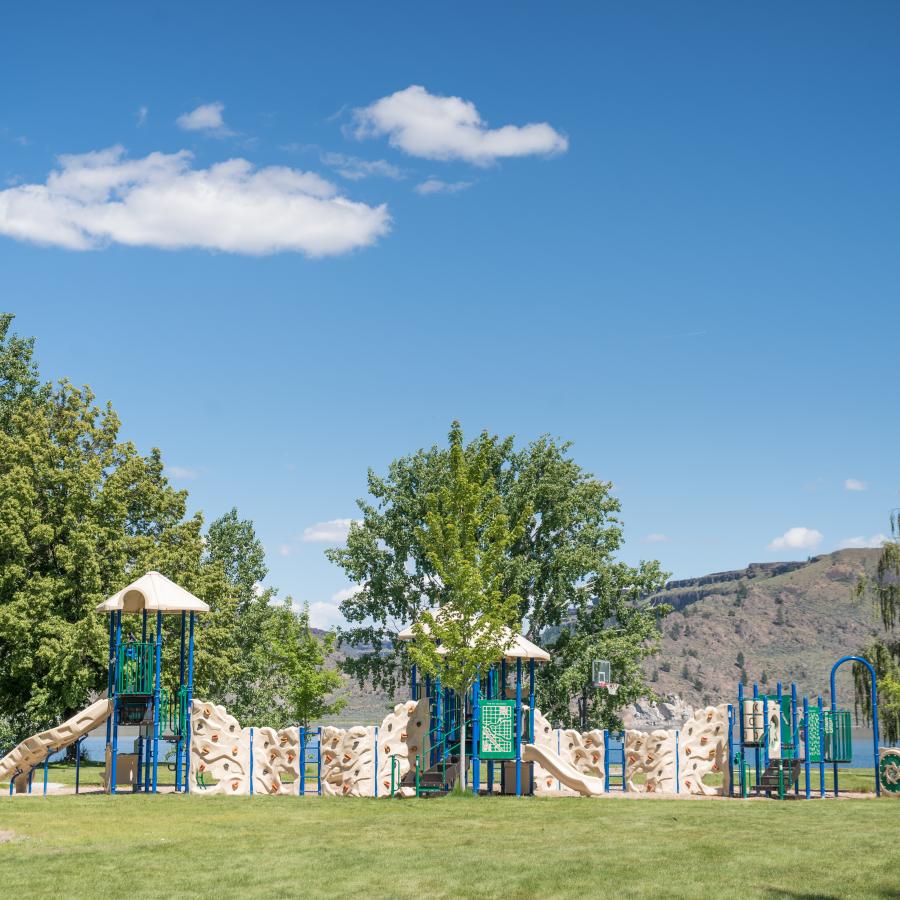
(34, 750)
(567, 774)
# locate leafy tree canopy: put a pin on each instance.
(560, 556)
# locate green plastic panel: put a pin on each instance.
(136, 668)
(498, 729)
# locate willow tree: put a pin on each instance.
(884, 654)
(466, 536)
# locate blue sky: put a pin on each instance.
(682, 255)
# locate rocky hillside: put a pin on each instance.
(768, 622)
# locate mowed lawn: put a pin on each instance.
(182, 846)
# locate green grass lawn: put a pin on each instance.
(170, 845)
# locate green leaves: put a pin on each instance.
(465, 538)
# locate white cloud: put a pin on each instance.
(355, 169)
(141, 116)
(334, 531)
(208, 118)
(656, 538)
(284, 549)
(94, 199)
(346, 594)
(435, 127)
(182, 473)
(325, 615)
(854, 484)
(436, 186)
(797, 539)
(860, 542)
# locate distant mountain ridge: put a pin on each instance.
(786, 621)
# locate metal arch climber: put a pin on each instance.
(875, 735)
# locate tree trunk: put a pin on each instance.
(462, 747)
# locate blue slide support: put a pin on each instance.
(156, 692)
(188, 699)
(519, 727)
(875, 735)
(476, 734)
(115, 712)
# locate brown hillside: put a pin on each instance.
(791, 621)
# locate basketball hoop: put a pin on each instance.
(611, 687)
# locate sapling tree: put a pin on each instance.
(465, 537)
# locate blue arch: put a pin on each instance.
(871, 669)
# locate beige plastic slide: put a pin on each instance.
(566, 773)
(32, 751)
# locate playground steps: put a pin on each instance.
(436, 781)
(779, 773)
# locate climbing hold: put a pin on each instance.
(215, 738)
(207, 712)
(402, 735)
(704, 739)
(687, 751)
(347, 757)
(273, 756)
(235, 785)
(234, 750)
(709, 715)
(687, 784)
(204, 751)
(290, 758)
(284, 740)
(202, 767)
(387, 750)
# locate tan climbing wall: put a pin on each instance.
(276, 760)
(348, 755)
(219, 752)
(653, 755)
(704, 749)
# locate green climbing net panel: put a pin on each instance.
(889, 771)
(838, 736)
(498, 729)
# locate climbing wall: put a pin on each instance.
(348, 755)
(276, 756)
(653, 755)
(220, 755)
(704, 749)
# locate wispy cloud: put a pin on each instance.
(95, 199)
(334, 531)
(141, 116)
(182, 473)
(354, 168)
(798, 538)
(207, 118)
(854, 484)
(437, 186)
(860, 542)
(656, 537)
(436, 127)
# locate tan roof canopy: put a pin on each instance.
(519, 648)
(155, 593)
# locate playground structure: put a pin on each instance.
(762, 745)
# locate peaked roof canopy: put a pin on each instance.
(519, 648)
(155, 593)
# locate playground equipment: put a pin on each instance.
(135, 693)
(778, 738)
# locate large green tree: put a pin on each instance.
(556, 564)
(465, 537)
(884, 654)
(83, 513)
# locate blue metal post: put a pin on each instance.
(110, 675)
(795, 736)
(439, 715)
(115, 712)
(875, 735)
(606, 760)
(492, 674)
(519, 726)
(302, 761)
(806, 743)
(319, 764)
(251, 760)
(415, 687)
(779, 694)
(821, 748)
(156, 692)
(502, 696)
(742, 772)
(677, 763)
(78, 763)
(179, 738)
(476, 734)
(190, 697)
(730, 751)
(46, 769)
